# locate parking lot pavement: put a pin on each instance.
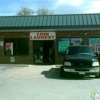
(18, 70)
(42, 82)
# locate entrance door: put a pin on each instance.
(43, 52)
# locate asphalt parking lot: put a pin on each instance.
(42, 82)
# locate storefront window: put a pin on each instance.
(63, 43)
(16, 46)
(95, 43)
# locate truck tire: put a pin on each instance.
(62, 73)
(98, 76)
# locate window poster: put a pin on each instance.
(9, 48)
(76, 41)
(63, 45)
(95, 43)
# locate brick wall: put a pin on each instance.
(29, 58)
(19, 59)
(73, 34)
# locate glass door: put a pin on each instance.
(38, 51)
(44, 52)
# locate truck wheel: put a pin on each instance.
(98, 76)
(62, 73)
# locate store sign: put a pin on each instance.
(42, 36)
(93, 41)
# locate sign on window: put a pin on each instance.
(63, 45)
(9, 48)
(95, 43)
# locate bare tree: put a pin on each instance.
(25, 11)
(44, 11)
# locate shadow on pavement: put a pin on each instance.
(44, 63)
(54, 73)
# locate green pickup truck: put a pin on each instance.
(80, 60)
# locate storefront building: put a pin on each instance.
(43, 38)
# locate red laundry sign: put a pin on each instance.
(42, 36)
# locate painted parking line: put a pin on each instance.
(9, 75)
(51, 71)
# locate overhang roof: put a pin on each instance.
(66, 21)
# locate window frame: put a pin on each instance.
(15, 46)
(70, 39)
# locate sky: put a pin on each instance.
(11, 7)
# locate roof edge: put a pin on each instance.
(80, 29)
(51, 15)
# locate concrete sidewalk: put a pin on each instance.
(25, 65)
(14, 65)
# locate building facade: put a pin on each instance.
(43, 38)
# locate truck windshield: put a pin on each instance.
(80, 50)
